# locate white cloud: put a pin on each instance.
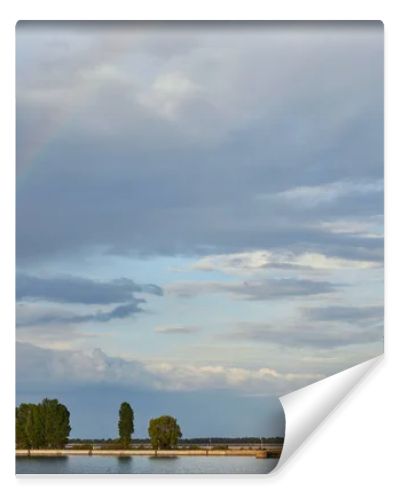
(197, 377)
(313, 196)
(323, 262)
(368, 227)
(36, 365)
(168, 94)
(259, 260)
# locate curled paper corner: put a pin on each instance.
(306, 408)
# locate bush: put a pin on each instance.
(81, 447)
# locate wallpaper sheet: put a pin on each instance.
(199, 239)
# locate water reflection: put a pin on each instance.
(166, 464)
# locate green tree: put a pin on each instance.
(22, 416)
(125, 424)
(29, 426)
(44, 425)
(164, 432)
(34, 427)
(55, 423)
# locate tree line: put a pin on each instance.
(47, 425)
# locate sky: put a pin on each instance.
(199, 217)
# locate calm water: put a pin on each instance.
(143, 465)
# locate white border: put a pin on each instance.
(355, 452)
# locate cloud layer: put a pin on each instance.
(172, 329)
(347, 314)
(259, 260)
(248, 157)
(77, 290)
(78, 368)
(307, 334)
(81, 291)
(165, 148)
(273, 289)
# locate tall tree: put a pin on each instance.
(56, 423)
(44, 425)
(22, 417)
(125, 424)
(29, 426)
(164, 432)
(34, 427)
(55, 418)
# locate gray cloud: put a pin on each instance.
(306, 335)
(169, 159)
(68, 368)
(179, 329)
(119, 312)
(76, 290)
(82, 291)
(346, 314)
(268, 289)
(36, 364)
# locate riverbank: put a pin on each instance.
(264, 453)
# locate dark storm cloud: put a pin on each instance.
(346, 314)
(184, 162)
(76, 290)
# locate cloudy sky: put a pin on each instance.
(199, 216)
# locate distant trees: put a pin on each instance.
(164, 432)
(43, 425)
(125, 424)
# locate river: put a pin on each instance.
(143, 465)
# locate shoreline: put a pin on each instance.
(264, 453)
